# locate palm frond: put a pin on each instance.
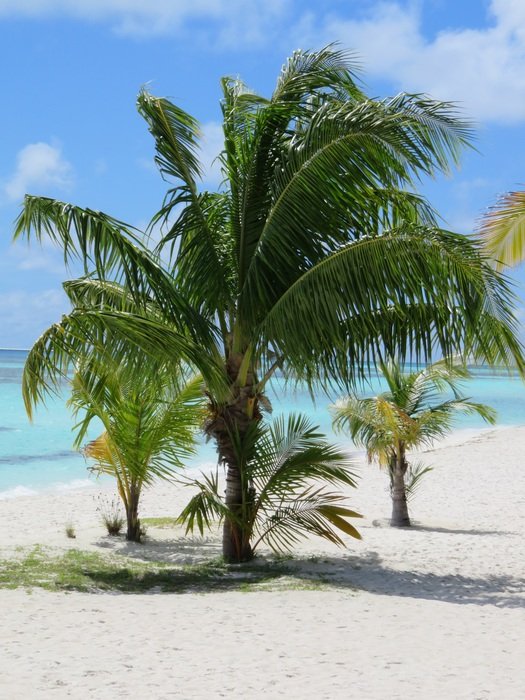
(91, 236)
(415, 472)
(503, 229)
(285, 468)
(291, 451)
(150, 419)
(85, 332)
(360, 152)
(115, 251)
(314, 511)
(362, 287)
(176, 135)
(206, 507)
(254, 147)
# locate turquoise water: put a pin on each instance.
(39, 456)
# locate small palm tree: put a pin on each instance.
(282, 500)
(405, 417)
(149, 420)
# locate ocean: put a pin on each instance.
(39, 456)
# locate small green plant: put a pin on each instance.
(111, 515)
(286, 469)
(70, 531)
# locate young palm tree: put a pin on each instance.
(149, 419)
(503, 229)
(285, 467)
(410, 414)
(314, 257)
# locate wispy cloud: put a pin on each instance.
(481, 69)
(39, 258)
(24, 315)
(234, 22)
(41, 166)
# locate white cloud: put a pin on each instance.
(38, 165)
(25, 315)
(510, 15)
(235, 21)
(481, 69)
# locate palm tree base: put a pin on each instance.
(405, 522)
(134, 532)
(239, 560)
(232, 552)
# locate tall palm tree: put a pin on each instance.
(150, 419)
(315, 257)
(503, 229)
(410, 414)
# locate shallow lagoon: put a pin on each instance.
(39, 456)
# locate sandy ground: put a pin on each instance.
(437, 611)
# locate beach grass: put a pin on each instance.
(159, 522)
(79, 570)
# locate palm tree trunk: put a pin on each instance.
(235, 536)
(235, 418)
(133, 533)
(236, 546)
(400, 517)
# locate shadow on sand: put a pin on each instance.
(179, 550)
(417, 527)
(366, 573)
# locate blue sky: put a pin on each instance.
(73, 68)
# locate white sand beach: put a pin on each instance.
(437, 611)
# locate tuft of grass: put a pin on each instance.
(159, 522)
(113, 526)
(111, 515)
(283, 556)
(70, 531)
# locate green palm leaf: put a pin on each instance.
(503, 229)
(362, 287)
